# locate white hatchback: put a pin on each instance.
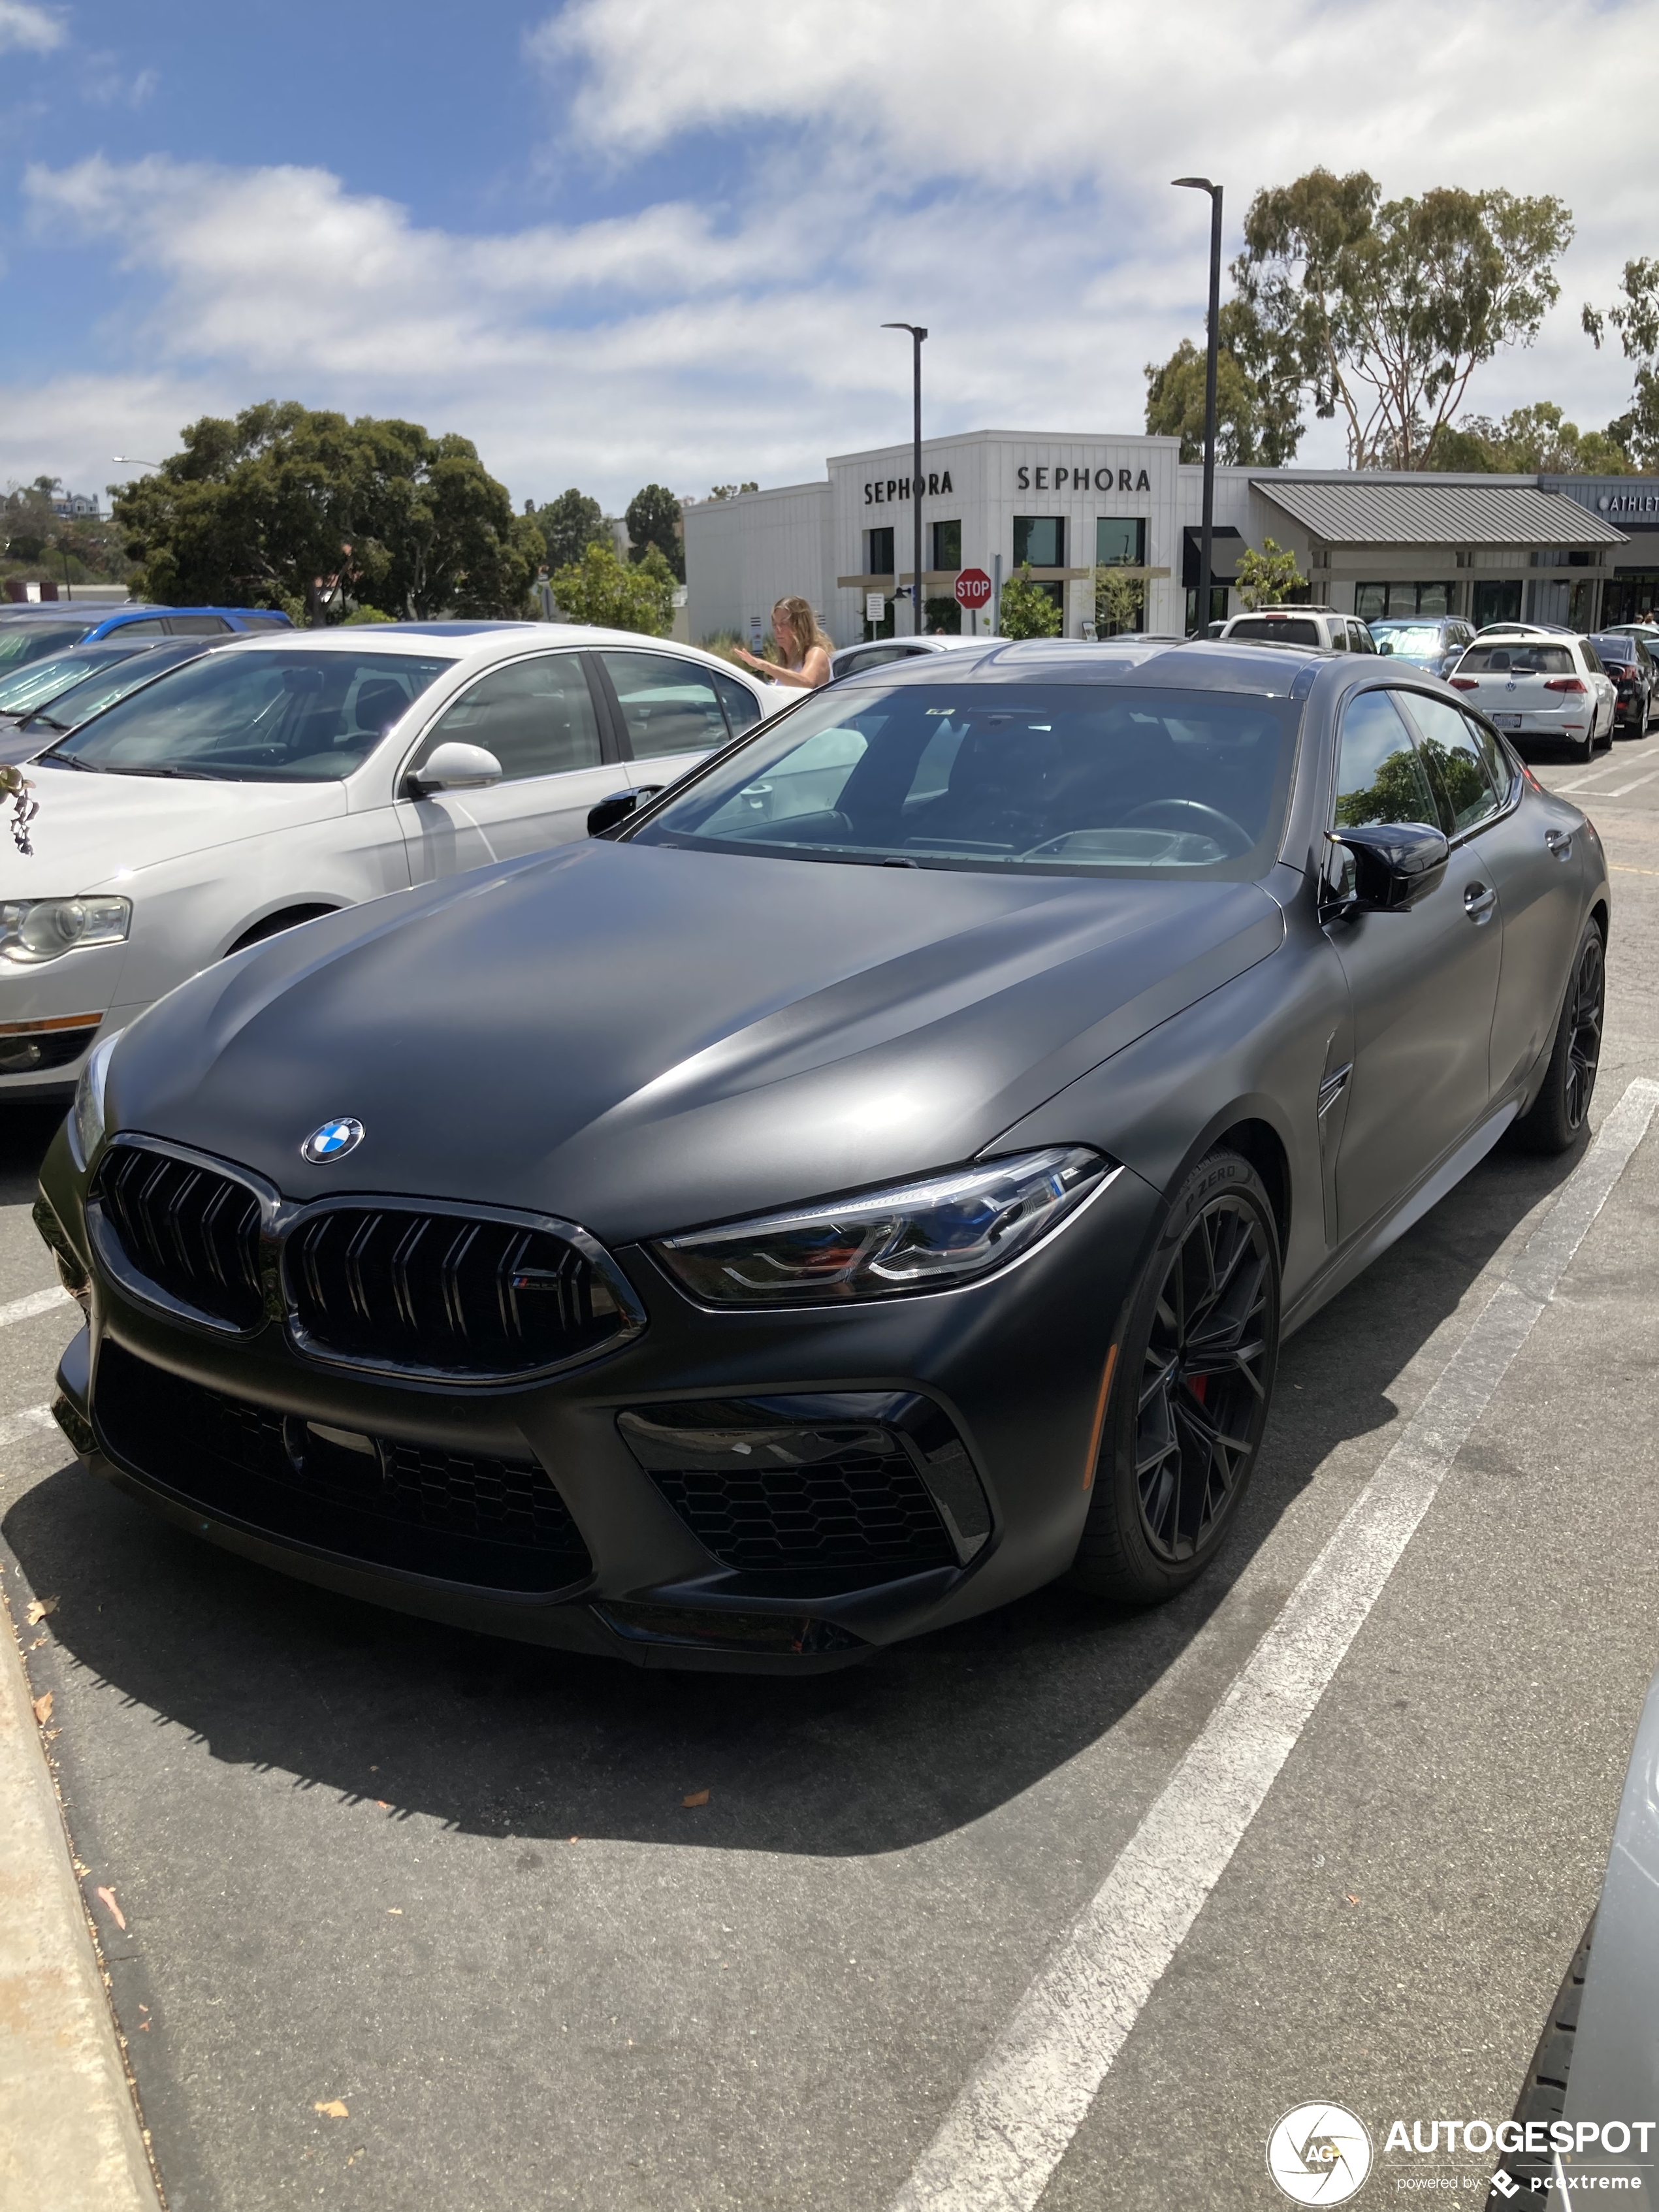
(278, 779)
(1539, 683)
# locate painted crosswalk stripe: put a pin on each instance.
(37, 1302)
(1009, 2127)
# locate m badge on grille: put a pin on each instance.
(333, 1140)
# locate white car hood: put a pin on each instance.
(92, 829)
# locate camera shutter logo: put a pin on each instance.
(1319, 2154)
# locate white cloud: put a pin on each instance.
(995, 168)
(34, 30)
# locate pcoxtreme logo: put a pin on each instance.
(1319, 2154)
(333, 1140)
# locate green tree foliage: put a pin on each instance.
(1395, 794)
(1381, 311)
(1527, 442)
(254, 512)
(1258, 420)
(36, 541)
(731, 491)
(570, 525)
(653, 518)
(1268, 578)
(942, 615)
(1635, 316)
(1120, 599)
(613, 594)
(1028, 611)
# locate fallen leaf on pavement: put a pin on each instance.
(333, 2110)
(39, 1609)
(43, 1709)
(697, 1797)
(398, 1909)
(107, 1896)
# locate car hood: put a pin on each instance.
(91, 828)
(638, 1037)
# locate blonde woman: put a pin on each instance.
(805, 648)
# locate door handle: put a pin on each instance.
(1558, 842)
(1478, 902)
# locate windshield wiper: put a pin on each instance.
(190, 774)
(71, 760)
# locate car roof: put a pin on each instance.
(463, 641)
(1195, 664)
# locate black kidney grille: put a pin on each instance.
(444, 1293)
(467, 1517)
(192, 1232)
(863, 1509)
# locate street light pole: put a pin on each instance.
(1207, 535)
(917, 334)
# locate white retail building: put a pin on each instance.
(1584, 550)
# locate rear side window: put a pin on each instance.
(743, 709)
(668, 705)
(149, 626)
(1280, 629)
(1380, 774)
(197, 626)
(264, 621)
(537, 717)
(1461, 768)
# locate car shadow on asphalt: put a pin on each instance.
(499, 1738)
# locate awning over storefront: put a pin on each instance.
(1351, 511)
(1226, 545)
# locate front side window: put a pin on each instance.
(1085, 779)
(252, 716)
(1040, 539)
(536, 716)
(1380, 776)
(1121, 541)
(1458, 764)
(743, 709)
(668, 705)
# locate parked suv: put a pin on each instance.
(1537, 683)
(1320, 626)
(1432, 641)
(1634, 674)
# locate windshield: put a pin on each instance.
(251, 716)
(1274, 629)
(39, 681)
(1517, 660)
(21, 642)
(1408, 641)
(139, 665)
(1080, 779)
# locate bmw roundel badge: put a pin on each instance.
(333, 1140)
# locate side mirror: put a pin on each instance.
(606, 816)
(1387, 646)
(453, 766)
(1395, 864)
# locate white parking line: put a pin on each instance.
(37, 1302)
(1009, 2128)
(26, 1423)
(1605, 791)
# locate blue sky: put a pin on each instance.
(625, 239)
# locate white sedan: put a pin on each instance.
(1537, 682)
(281, 777)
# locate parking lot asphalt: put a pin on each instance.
(454, 1888)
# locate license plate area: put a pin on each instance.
(1508, 721)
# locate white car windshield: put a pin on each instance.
(291, 716)
(1072, 779)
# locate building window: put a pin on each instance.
(1121, 541)
(1040, 539)
(1378, 602)
(947, 546)
(1498, 601)
(1218, 609)
(878, 552)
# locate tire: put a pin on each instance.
(1555, 1117)
(1190, 1394)
(1587, 748)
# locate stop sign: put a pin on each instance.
(972, 589)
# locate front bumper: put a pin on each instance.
(778, 1491)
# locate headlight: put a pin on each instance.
(32, 930)
(927, 1235)
(87, 1114)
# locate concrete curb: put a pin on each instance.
(69, 2139)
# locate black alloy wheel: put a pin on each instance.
(1558, 1114)
(1190, 1392)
